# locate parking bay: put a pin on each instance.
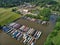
(46, 30)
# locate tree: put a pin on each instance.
(58, 19)
(57, 26)
(49, 42)
(45, 13)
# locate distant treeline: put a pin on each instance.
(12, 3)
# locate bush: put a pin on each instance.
(49, 42)
(18, 12)
(32, 16)
(57, 27)
(58, 19)
(0, 27)
(14, 9)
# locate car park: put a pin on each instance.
(19, 31)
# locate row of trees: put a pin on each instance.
(55, 6)
(11, 3)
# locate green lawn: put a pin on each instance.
(7, 16)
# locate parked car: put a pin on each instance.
(6, 29)
(19, 36)
(29, 39)
(32, 40)
(16, 26)
(14, 32)
(37, 34)
(26, 29)
(11, 24)
(25, 41)
(34, 32)
(33, 20)
(25, 36)
(32, 43)
(14, 36)
(30, 31)
(22, 27)
(10, 31)
(44, 22)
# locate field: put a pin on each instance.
(7, 16)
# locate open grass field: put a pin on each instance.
(7, 16)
